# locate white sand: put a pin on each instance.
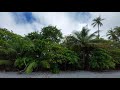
(63, 74)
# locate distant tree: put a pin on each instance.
(80, 41)
(111, 35)
(34, 35)
(114, 34)
(117, 31)
(97, 21)
(51, 33)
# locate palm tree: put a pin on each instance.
(82, 39)
(97, 21)
(117, 31)
(114, 34)
(111, 35)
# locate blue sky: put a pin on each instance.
(26, 22)
(27, 17)
(23, 17)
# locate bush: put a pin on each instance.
(6, 62)
(6, 65)
(7, 53)
(56, 54)
(45, 64)
(23, 62)
(45, 50)
(31, 67)
(100, 60)
(55, 69)
(115, 53)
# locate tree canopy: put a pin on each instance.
(48, 49)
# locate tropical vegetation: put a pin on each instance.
(49, 50)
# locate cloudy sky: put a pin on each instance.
(26, 22)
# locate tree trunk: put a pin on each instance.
(86, 57)
(98, 32)
(83, 62)
(86, 67)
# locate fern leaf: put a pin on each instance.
(31, 67)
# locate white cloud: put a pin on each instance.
(60, 19)
(7, 21)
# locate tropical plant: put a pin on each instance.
(51, 33)
(5, 62)
(34, 35)
(101, 60)
(81, 41)
(98, 21)
(111, 35)
(45, 50)
(115, 54)
(31, 67)
(55, 57)
(114, 34)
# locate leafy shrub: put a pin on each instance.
(55, 69)
(6, 65)
(44, 49)
(51, 33)
(5, 62)
(56, 54)
(45, 64)
(31, 67)
(100, 60)
(115, 54)
(22, 62)
(8, 53)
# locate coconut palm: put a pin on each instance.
(111, 35)
(82, 39)
(117, 31)
(97, 22)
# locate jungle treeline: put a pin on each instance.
(49, 50)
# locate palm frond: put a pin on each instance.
(94, 24)
(31, 67)
(76, 35)
(101, 24)
(92, 35)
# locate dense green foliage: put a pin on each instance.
(49, 50)
(51, 33)
(5, 62)
(114, 34)
(100, 60)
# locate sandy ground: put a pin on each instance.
(64, 74)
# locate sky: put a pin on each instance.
(25, 22)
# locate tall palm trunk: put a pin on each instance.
(98, 32)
